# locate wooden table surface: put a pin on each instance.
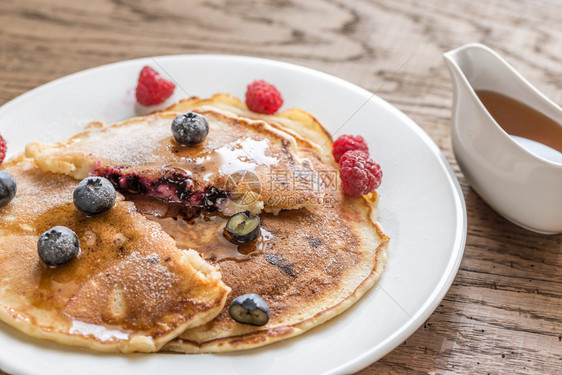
(503, 313)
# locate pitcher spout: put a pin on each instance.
(461, 67)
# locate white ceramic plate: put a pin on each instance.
(421, 208)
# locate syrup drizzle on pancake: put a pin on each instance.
(242, 154)
(193, 227)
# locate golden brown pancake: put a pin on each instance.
(130, 288)
(308, 266)
(140, 156)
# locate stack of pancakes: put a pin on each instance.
(156, 274)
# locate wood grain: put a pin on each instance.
(503, 313)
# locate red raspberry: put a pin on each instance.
(263, 97)
(153, 89)
(359, 174)
(3, 149)
(348, 143)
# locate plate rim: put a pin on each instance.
(439, 291)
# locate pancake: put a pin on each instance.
(140, 156)
(308, 266)
(130, 289)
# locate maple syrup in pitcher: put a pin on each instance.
(518, 119)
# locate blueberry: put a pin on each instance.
(190, 128)
(57, 246)
(249, 309)
(94, 195)
(7, 188)
(243, 227)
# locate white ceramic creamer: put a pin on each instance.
(519, 183)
